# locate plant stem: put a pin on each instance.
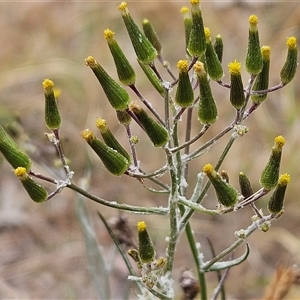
(132, 145)
(113, 204)
(61, 154)
(210, 142)
(147, 103)
(173, 197)
(245, 234)
(191, 141)
(166, 66)
(198, 261)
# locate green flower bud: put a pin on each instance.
(289, 68)
(12, 153)
(213, 65)
(254, 62)
(152, 36)
(262, 79)
(276, 201)
(218, 46)
(116, 95)
(245, 185)
(145, 245)
(237, 96)
(144, 50)
(184, 94)
(226, 194)
(270, 174)
(154, 80)
(6, 138)
(125, 71)
(114, 162)
(123, 117)
(36, 192)
(109, 138)
(185, 12)
(207, 109)
(156, 132)
(196, 45)
(52, 117)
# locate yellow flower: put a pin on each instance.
(234, 67)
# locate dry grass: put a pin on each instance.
(42, 253)
(281, 283)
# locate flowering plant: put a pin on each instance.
(184, 94)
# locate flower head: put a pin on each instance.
(234, 67)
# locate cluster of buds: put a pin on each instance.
(207, 58)
(22, 165)
(144, 256)
(228, 196)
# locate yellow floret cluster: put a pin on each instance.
(183, 65)
(284, 179)
(48, 84)
(108, 34)
(253, 20)
(291, 42)
(280, 141)
(234, 67)
(101, 123)
(141, 226)
(208, 168)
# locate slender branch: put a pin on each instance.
(166, 65)
(58, 146)
(220, 82)
(248, 201)
(247, 91)
(191, 141)
(210, 142)
(133, 116)
(220, 287)
(250, 110)
(199, 207)
(152, 66)
(167, 111)
(251, 199)
(244, 234)
(43, 177)
(113, 204)
(132, 145)
(269, 90)
(221, 279)
(226, 150)
(156, 191)
(179, 114)
(161, 184)
(193, 62)
(140, 173)
(147, 104)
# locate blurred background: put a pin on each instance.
(42, 251)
